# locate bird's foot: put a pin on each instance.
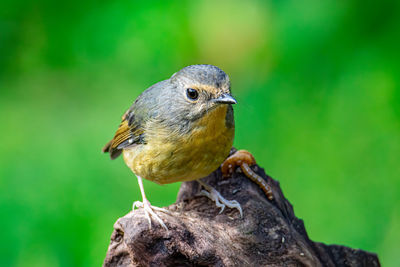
(149, 211)
(219, 200)
(244, 159)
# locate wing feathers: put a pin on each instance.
(128, 133)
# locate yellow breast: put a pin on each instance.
(170, 157)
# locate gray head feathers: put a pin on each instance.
(206, 75)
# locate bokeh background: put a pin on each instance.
(319, 106)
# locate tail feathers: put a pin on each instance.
(114, 153)
(107, 147)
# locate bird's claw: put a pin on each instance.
(149, 211)
(221, 202)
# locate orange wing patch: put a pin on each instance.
(123, 134)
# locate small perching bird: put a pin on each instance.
(180, 129)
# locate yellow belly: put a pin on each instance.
(169, 158)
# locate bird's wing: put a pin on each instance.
(130, 132)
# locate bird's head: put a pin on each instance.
(200, 89)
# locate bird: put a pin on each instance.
(179, 129)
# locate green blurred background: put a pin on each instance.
(319, 106)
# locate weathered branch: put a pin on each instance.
(269, 234)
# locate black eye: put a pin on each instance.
(192, 93)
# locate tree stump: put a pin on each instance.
(269, 234)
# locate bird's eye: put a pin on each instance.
(192, 93)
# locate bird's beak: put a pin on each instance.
(225, 99)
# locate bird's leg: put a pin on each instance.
(220, 201)
(245, 159)
(148, 209)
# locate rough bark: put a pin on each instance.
(269, 234)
